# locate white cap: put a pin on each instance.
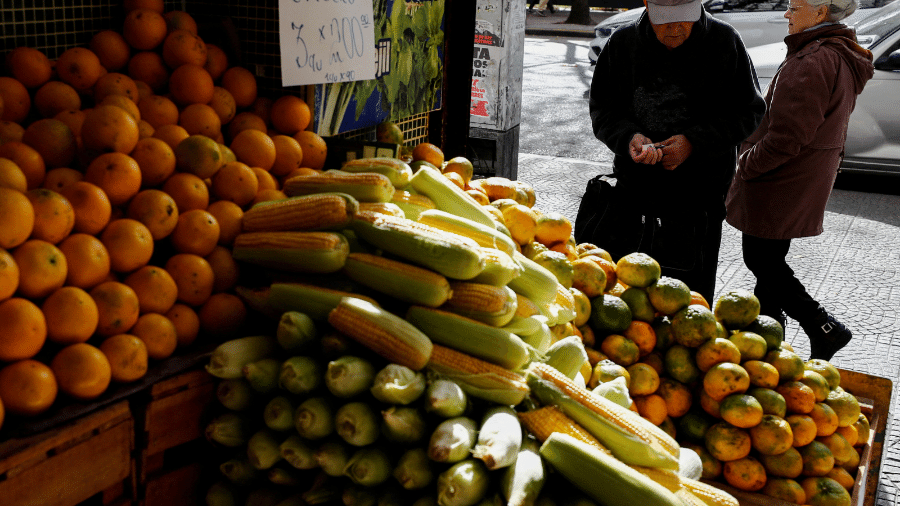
(673, 11)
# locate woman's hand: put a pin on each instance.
(642, 150)
(675, 151)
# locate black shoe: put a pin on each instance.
(826, 336)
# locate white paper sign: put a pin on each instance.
(326, 41)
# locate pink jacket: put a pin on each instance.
(787, 167)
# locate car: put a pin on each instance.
(873, 131)
(758, 22)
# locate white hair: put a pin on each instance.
(837, 9)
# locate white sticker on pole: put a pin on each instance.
(326, 41)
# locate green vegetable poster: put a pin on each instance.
(409, 49)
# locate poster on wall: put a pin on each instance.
(409, 67)
(497, 63)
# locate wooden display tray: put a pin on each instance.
(70, 464)
(874, 394)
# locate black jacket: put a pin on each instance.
(706, 89)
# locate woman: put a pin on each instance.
(788, 166)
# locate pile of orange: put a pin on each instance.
(125, 168)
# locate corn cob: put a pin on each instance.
(526, 307)
(396, 170)
(601, 476)
(387, 208)
(499, 268)
(703, 494)
(522, 482)
(412, 204)
(364, 187)
(546, 420)
(384, 333)
(310, 252)
(327, 211)
(492, 344)
(523, 325)
(489, 304)
(449, 197)
(566, 302)
(409, 283)
(311, 300)
(477, 377)
(488, 237)
(567, 356)
(626, 434)
(535, 282)
(541, 339)
(449, 254)
(499, 438)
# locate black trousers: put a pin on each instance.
(777, 288)
(702, 278)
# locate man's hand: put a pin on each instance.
(675, 151)
(642, 150)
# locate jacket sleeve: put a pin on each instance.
(608, 102)
(798, 106)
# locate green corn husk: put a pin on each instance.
(263, 374)
(314, 418)
(463, 484)
(359, 496)
(332, 456)
(295, 331)
(403, 424)
(235, 394)
(357, 423)
(446, 398)
(239, 471)
(285, 476)
(522, 482)
(262, 449)
(229, 358)
(297, 453)
(294, 500)
(369, 466)
(398, 384)
(542, 338)
(414, 470)
(221, 493)
(228, 429)
(567, 355)
(279, 413)
(452, 440)
(300, 375)
(335, 344)
(499, 438)
(348, 376)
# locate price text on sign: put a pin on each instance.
(326, 41)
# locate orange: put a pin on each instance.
(745, 474)
(229, 215)
(187, 323)
(82, 371)
(726, 442)
(225, 269)
(521, 222)
(24, 329)
(80, 68)
(784, 489)
(144, 89)
(840, 475)
(54, 216)
(289, 114)
(643, 335)
(183, 46)
(145, 130)
(223, 104)
(588, 277)
(817, 459)
(840, 448)
(194, 277)
(127, 357)
(59, 178)
(652, 407)
(771, 401)
(236, 182)
(817, 383)
(125, 103)
(314, 149)
(428, 152)
(156, 210)
(241, 83)
(644, 379)
(724, 379)
(789, 364)
(180, 20)
(27, 158)
(15, 98)
(254, 148)
(216, 61)
(620, 349)
(148, 67)
(111, 49)
(741, 410)
(144, 29)
(155, 289)
(191, 84)
(42, 268)
(199, 155)
(117, 174)
(188, 191)
(825, 418)
(16, 218)
(11, 176)
(762, 374)
(246, 120)
(716, 351)
(171, 134)
(158, 110)
(72, 315)
(799, 397)
(288, 155)
(29, 66)
(54, 97)
(803, 427)
(74, 119)
(155, 159)
(9, 131)
(91, 206)
(752, 345)
(267, 195)
(772, 436)
(129, 243)
(200, 119)
(115, 83)
(158, 334)
(850, 433)
(9, 275)
(53, 140)
(788, 464)
(606, 370)
(27, 387)
(88, 260)
(845, 405)
(117, 305)
(265, 180)
(107, 128)
(552, 227)
(680, 364)
(222, 316)
(678, 397)
(196, 232)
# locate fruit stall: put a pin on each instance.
(217, 288)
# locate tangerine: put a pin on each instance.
(42, 268)
(71, 315)
(24, 329)
(82, 371)
(27, 387)
(118, 307)
(127, 357)
(88, 258)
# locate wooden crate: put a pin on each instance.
(89, 458)
(171, 441)
(874, 394)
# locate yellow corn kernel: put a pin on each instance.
(308, 212)
(478, 377)
(543, 421)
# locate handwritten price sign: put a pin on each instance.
(326, 41)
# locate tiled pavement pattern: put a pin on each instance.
(853, 269)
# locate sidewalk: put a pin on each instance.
(554, 25)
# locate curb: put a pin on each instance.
(547, 32)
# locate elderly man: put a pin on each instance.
(672, 96)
